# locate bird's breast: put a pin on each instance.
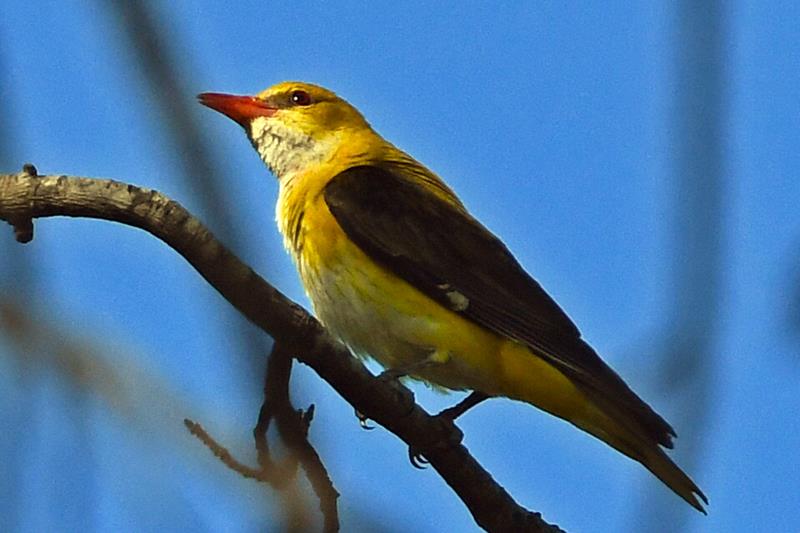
(358, 300)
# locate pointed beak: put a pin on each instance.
(242, 109)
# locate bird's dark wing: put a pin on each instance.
(440, 249)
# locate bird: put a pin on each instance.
(397, 269)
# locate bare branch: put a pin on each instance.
(222, 453)
(25, 196)
(293, 428)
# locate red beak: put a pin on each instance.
(242, 109)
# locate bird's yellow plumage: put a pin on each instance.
(396, 267)
(382, 316)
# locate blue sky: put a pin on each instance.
(560, 126)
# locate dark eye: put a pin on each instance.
(301, 98)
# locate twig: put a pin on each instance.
(276, 405)
(293, 427)
(223, 454)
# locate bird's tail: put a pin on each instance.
(648, 454)
(636, 431)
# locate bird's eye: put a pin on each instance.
(301, 98)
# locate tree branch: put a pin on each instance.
(293, 428)
(26, 196)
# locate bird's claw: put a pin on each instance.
(416, 458)
(363, 421)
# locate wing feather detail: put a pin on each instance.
(436, 246)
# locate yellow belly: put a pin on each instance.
(380, 315)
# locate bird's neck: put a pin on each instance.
(285, 150)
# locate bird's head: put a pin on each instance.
(292, 124)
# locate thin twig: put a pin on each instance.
(276, 401)
(223, 454)
(293, 427)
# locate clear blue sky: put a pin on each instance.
(561, 127)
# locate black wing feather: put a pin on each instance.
(439, 248)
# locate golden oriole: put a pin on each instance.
(396, 268)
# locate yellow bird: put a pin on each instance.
(397, 268)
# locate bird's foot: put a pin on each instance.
(390, 377)
(450, 434)
(416, 458)
(451, 413)
(393, 374)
